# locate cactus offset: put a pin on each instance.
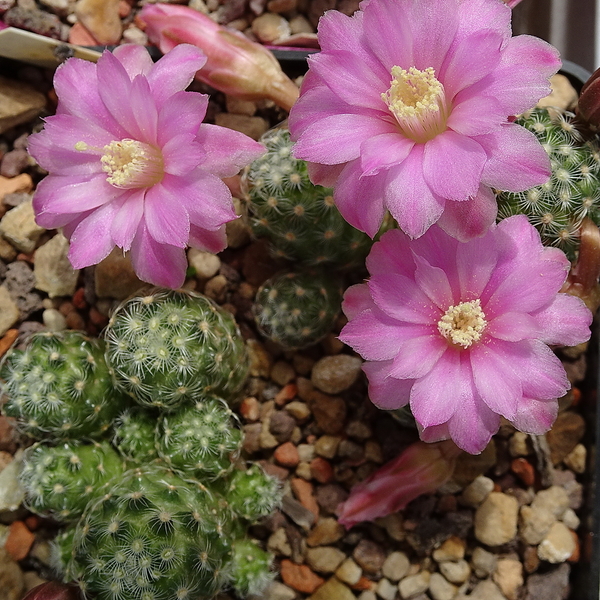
(558, 207)
(168, 347)
(60, 386)
(297, 309)
(202, 439)
(252, 494)
(250, 570)
(134, 433)
(299, 219)
(60, 481)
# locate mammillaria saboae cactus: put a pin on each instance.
(297, 309)
(167, 347)
(60, 386)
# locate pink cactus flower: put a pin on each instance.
(235, 65)
(460, 330)
(421, 469)
(132, 165)
(407, 107)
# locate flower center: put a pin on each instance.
(132, 164)
(418, 102)
(463, 324)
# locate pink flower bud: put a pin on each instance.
(422, 468)
(235, 65)
(52, 590)
(588, 106)
(512, 3)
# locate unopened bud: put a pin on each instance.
(422, 468)
(235, 65)
(52, 590)
(588, 106)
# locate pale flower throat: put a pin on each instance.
(463, 324)
(418, 102)
(129, 163)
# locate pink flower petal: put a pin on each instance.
(144, 112)
(135, 59)
(166, 218)
(352, 80)
(408, 197)
(386, 21)
(210, 241)
(127, 218)
(182, 154)
(472, 427)
(205, 197)
(367, 216)
(384, 151)
(227, 151)
(470, 59)
(467, 220)
(76, 85)
(57, 194)
(436, 396)
(91, 241)
(566, 321)
(434, 282)
(385, 391)
(452, 165)
(521, 79)
(516, 160)
(535, 416)
(392, 254)
(513, 327)
(495, 380)
(338, 138)
(375, 336)
(403, 300)
(473, 276)
(418, 355)
(156, 263)
(325, 175)
(472, 13)
(175, 71)
(183, 113)
(476, 115)
(356, 299)
(433, 25)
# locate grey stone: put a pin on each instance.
(551, 585)
(414, 584)
(386, 589)
(334, 374)
(496, 519)
(9, 311)
(18, 226)
(396, 566)
(52, 269)
(369, 555)
(19, 103)
(477, 491)
(484, 562)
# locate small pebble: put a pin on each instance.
(456, 572)
(386, 589)
(54, 320)
(326, 531)
(369, 556)
(414, 584)
(496, 519)
(324, 559)
(558, 545)
(440, 588)
(477, 491)
(335, 374)
(396, 566)
(349, 572)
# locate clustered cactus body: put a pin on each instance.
(60, 386)
(297, 309)
(558, 207)
(167, 347)
(59, 481)
(299, 219)
(157, 507)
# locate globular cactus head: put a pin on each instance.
(60, 481)
(203, 439)
(558, 207)
(299, 219)
(154, 535)
(60, 387)
(134, 435)
(250, 571)
(297, 309)
(168, 347)
(252, 494)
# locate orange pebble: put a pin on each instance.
(524, 470)
(303, 490)
(287, 455)
(286, 393)
(8, 340)
(299, 577)
(19, 540)
(80, 36)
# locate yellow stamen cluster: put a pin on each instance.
(463, 324)
(418, 102)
